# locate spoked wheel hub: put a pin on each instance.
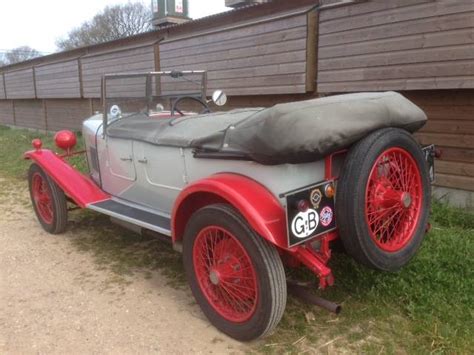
(393, 199)
(227, 269)
(225, 273)
(385, 196)
(215, 277)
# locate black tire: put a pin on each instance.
(270, 275)
(352, 216)
(58, 221)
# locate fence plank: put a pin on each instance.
(19, 84)
(30, 114)
(58, 80)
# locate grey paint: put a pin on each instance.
(168, 170)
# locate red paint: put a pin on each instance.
(37, 143)
(225, 274)
(261, 210)
(324, 248)
(313, 261)
(65, 140)
(256, 204)
(393, 199)
(77, 186)
(42, 198)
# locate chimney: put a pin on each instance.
(169, 12)
(239, 3)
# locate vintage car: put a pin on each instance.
(244, 193)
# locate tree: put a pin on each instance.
(19, 54)
(114, 22)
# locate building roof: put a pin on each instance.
(241, 14)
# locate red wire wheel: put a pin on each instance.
(49, 201)
(225, 274)
(42, 197)
(383, 199)
(393, 199)
(236, 277)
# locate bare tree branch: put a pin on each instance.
(19, 54)
(114, 22)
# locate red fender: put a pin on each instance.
(80, 188)
(256, 204)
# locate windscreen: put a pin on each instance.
(149, 94)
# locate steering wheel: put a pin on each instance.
(174, 107)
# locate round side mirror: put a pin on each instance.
(219, 98)
(115, 111)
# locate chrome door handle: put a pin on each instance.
(126, 159)
(143, 161)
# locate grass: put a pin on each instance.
(15, 142)
(428, 307)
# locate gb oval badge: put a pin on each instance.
(305, 223)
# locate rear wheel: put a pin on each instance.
(383, 199)
(236, 277)
(48, 201)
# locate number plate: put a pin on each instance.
(318, 219)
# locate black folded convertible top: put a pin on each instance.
(294, 132)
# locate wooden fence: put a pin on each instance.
(278, 52)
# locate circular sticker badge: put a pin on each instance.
(315, 198)
(325, 216)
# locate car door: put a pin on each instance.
(160, 176)
(119, 173)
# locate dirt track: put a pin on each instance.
(55, 299)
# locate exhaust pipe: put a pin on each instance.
(303, 293)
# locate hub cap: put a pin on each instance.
(225, 274)
(214, 277)
(42, 198)
(393, 199)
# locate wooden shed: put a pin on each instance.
(421, 48)
(284, 51)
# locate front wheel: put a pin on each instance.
(383, 199)
(49, 201)
(237, 278)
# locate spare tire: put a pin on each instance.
(383, 199)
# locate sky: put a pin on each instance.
(39, 23)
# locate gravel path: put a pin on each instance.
(55, 299)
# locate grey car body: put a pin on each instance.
(152, 176)
(147, 158)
